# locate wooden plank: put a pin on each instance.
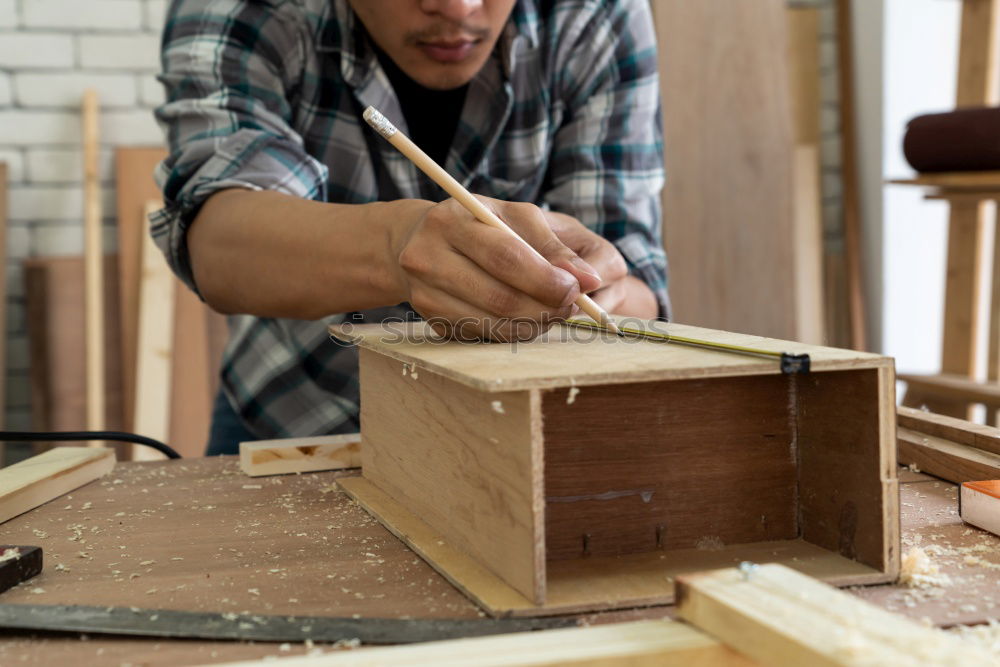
(963, 285)
(465, 461)
(977, 54)
(848, 488)
(804, 65)
(675, 474)
(154, 349)
(851, 199)
(566, 357)
(957, 389)
(780, 617)
(194, 371)
(35, 481)
(986, 438)
(637, 644)
(93, 266)
(3, 299)
(597, 583)
(809, 246)
(727, 202)
(298, 455)
(980, 504)
(946, 459)
(134, 186)
(54, 309)
(954, 180)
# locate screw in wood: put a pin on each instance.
(660, 531)
(586, 544)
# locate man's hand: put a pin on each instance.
(473, 281)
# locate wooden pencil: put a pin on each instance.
(384, 127)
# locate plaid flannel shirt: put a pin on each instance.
(268, 95)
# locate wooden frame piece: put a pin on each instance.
(778, 616)
(35, 481)
(660, 643)
(297, 455)
(565, 475)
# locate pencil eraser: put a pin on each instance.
(979, 505)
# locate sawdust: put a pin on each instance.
(986, 635)
(918, 570)
(710, 543)
(498, 407)
(10, 554)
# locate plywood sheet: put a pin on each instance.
(54, 304)
(568, 356)
(598, 583)
(465, 461)
(728, 156)
(670, 472)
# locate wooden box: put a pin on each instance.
(583, 472)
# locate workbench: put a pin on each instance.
(198, 535)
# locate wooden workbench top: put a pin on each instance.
(198, 535)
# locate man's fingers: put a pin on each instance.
(467, 281)
(531, 224)
(452, 316)
(508, 261)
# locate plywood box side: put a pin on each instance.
(568, 357)
(461, 460)
(668, 465)
(843, 420)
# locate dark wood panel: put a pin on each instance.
(847, 479)
(668, 465)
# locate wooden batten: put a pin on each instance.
(471, 474)
(298, 455)
(37, 480)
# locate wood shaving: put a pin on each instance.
(497, 407)
(571, 396)
(918, 570)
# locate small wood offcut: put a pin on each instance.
(582, 471)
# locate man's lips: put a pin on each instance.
(448, 52)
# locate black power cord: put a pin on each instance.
(80, 436)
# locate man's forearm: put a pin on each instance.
(274, 255)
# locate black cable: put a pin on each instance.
(77, 436)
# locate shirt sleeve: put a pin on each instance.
(606, 168)
(229, 67)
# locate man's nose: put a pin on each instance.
(454, 10)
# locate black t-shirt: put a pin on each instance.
(431, 115)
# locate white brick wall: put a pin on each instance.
(50, 51)
(92, 14)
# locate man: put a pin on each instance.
(285, 210)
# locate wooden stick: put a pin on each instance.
(423, 162)
(943, 458)
(35, 481)
(852, 201)
(778, 616)
(298, 455)
(986, 438)
(93, 266)
(659, 643)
